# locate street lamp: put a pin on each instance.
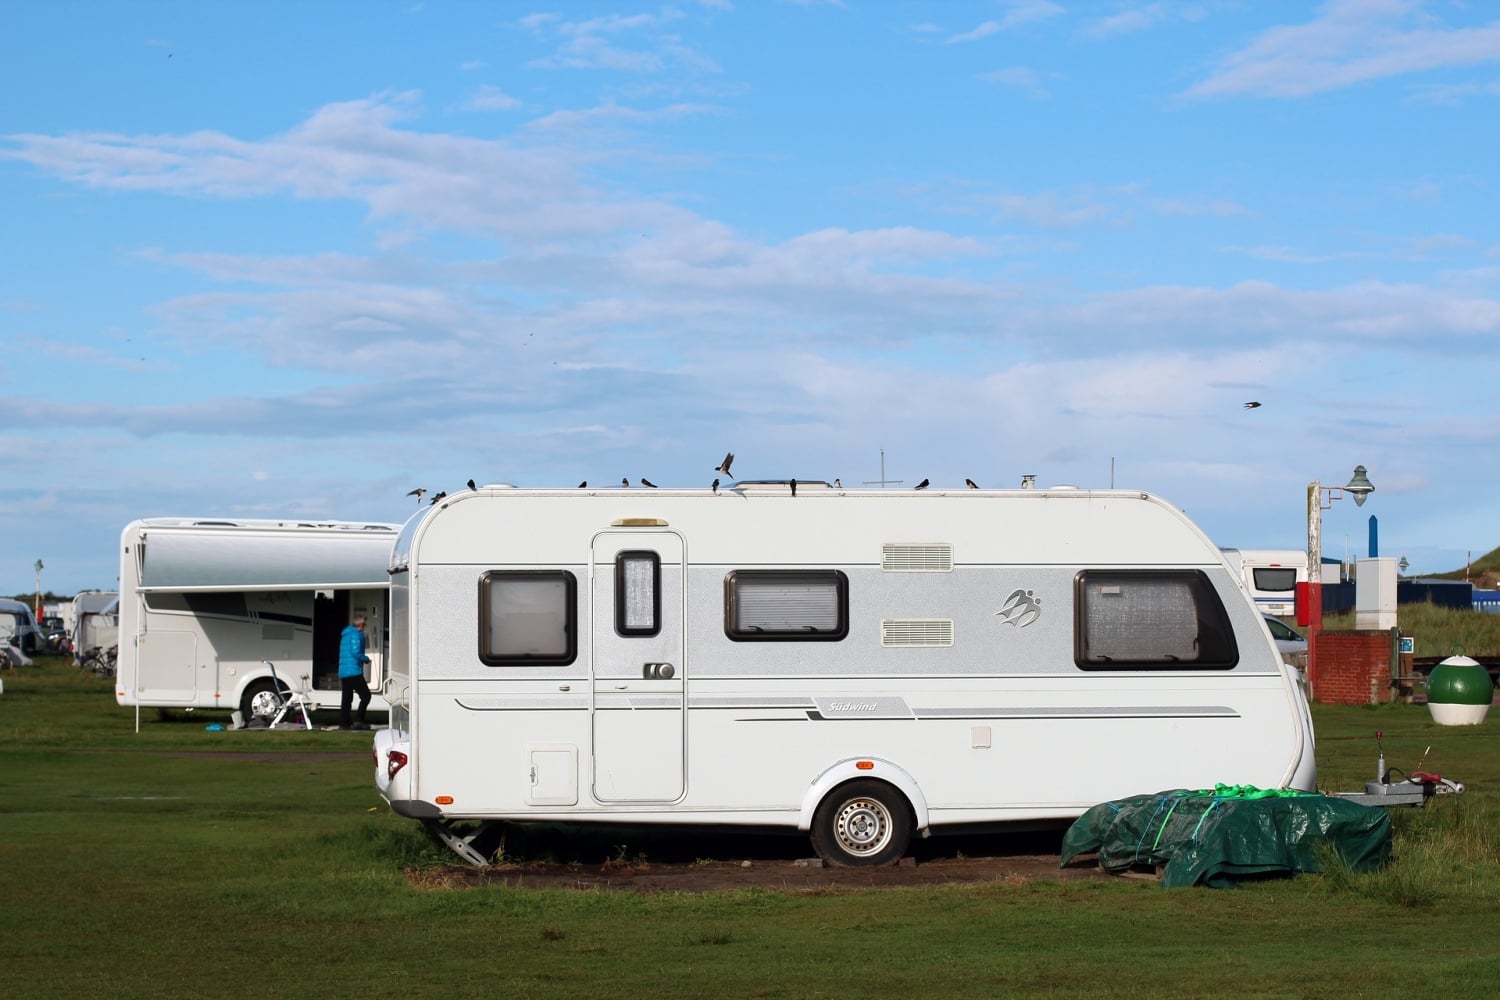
(37, 611)
(1319, 499)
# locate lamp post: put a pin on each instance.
(1319, 499)
(37, 611)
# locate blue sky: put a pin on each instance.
(294, 260)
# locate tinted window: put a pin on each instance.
(1150, 620)
(786, 605)
(528, 618)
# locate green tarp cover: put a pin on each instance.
(1215, 835)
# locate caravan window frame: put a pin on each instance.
(567, 616)
(1112, 638)
(739, 581)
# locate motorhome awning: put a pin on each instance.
(174, 559)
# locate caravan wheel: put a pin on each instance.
(862, 823)
(263, 697)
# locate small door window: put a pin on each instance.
(637, 593)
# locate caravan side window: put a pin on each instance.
(1150, 620)
(528, 618)
(782, 605)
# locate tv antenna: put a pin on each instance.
(883, 482)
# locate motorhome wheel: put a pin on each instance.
(862, 823)
(263, 698)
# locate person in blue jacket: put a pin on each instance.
(352, 662)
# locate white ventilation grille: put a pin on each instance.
(915, 632)
(922, 557)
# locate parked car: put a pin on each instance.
(1289, 642)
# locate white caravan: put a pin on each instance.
(858, 664)
(1271, 576)
(205, 604)
(96, 622)
(18, 627)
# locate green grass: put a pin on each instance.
(1439, 631)
(179, 862)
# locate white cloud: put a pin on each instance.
(1349, 42)
(1017, 13)
(488, 98)
(1021, 78)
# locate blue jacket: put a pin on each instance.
(352, 658)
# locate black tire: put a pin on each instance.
(263, 697)
(862, 823)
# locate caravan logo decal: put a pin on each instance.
(1021, 608)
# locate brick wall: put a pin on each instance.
(1354, 667)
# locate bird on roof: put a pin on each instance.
(625, 481)
(472, 486)
(837, 485)
(714, 486)
(418, 492)
(1252, 404)
(436, 497)
(794, 487)
(724, 465)
(971, 484)
(922, 485)
(647, 482)
(583, 485)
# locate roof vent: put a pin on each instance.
(916, 557)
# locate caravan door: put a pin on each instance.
(637, 666)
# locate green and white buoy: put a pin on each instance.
(1459, 692)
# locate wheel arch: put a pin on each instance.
(864, 768)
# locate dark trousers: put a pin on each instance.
(349, 687)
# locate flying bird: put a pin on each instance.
(472, 486)
(1252, 404)
(794, 487)
(971, 484)
(724, 465)
(647, 482)
(436, 497)
(715, 486)
(418, 493)
(922, 485)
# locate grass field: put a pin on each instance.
(179, 862)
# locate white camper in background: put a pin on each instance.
(96, 622)
(205, 604)
(18, 627)
(858, 664)
(1271, 576)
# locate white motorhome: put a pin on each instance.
(1271, 576)
(858, 664)
(208, 606)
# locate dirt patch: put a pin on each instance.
(657, 863)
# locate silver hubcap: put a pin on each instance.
(863, 827)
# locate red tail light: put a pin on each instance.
(394, 763)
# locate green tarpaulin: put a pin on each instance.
(1216, 835)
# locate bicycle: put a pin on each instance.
(99, 660)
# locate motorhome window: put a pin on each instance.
(1275, 579)
(637, 593)
(528, 618)
(811, 605)
(1151, 620)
